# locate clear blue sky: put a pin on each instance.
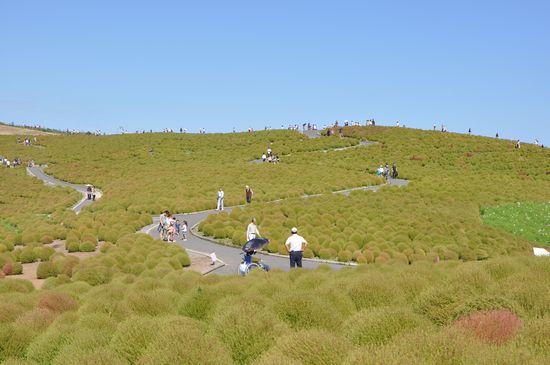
(219, 64)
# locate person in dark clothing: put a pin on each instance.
(394, 172)
(248, 194)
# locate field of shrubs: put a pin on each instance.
(435, 217)
(135, 304)
(126, 307)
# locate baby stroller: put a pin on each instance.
(250, 249)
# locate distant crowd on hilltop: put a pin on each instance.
(335, 128)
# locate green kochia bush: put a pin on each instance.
(181, 340)
(45, 270)
(377, 327)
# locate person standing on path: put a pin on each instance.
(252, 230)
(295, 245)
(248, 194)
(221, 195)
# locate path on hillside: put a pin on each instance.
(38, 172)
(230, 256)
(199, 248)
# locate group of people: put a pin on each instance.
(309, 126)
(26, 141)
(385, 171)
(248, 193)
(170, 227)
(269, 156)
(6, 162)
(90, 192)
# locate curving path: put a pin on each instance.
(38, 172)
(363, 143)
(198, 247)
(229, 257)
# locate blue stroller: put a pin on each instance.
(250, 249)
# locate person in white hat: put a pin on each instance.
(295, 245)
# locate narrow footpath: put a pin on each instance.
(199, 248)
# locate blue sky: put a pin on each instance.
(222, 64)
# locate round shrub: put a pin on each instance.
(372, 290)
(239, 333)
(46, 239)
(306, 309)
(38, 319)
(27, 255)
(57, 302)
(181, 340)
(377, 327)
(7, 269)
(93, 274)
(45, 270)
(72, 246)
(87, 247)
(344, 256)
(493, 327)
(315, 347)
(15, 285)
(132, 337)
(153, 303)
(183, 259)
(43, 253)
(325, 254)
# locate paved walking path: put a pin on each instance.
(38, 172)
(198, 248)
(229, 256)
(360, 144)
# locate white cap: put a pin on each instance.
(294, 230)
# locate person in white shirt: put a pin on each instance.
(252, 230)
(264, 157)
(221, 195)
(295, 245)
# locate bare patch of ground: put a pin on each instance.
(201, 263)
(29, 270)
(8, 130)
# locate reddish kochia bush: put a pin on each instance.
(492, 326)
(8, 268)
(57, 302)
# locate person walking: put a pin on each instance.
(248, 194)
(252, 230)
(221, 196)
(295, 245)
(184, 228)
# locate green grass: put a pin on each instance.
(525, 219)
(133, 303)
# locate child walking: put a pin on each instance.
(184, 229)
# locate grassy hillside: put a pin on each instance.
(485, 302)
(452, 177)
